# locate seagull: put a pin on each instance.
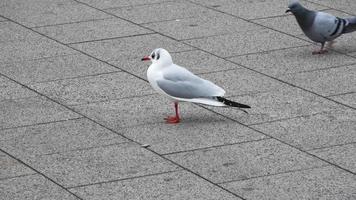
(181, 85)
(321, 27)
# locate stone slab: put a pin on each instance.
(315, 131)
(207, 24)
(320, 183)
(105, 4)
(345, 5)
(343, 155)
(252, 9)
(94, 88)
(32, 187)
(44, 12)
(32, 110)
(56, 137)
(55, 68)
(325, 82)
(11, 90)
(100, 164)
(158, 12)
(282, 103)
(92, 30)
(245, 42)
(19, 43)
(206, 131)
(281, 62)
(244, 161)
(348, 99)
(11, 168)
(174, 186)
(195, 61)
(124, 48)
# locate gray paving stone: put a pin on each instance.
(159, 12)
(2, 19)
(124, 48)
(195, 61)
(316, 131)
(32, 110)
(11, 90)
(18, 43)
(245, 42)
(207, 131)
(104, 4)
(32, 187)
(94, 88)
(175, 186)
(11, 168)
(100, 164)
(321, 183)
(92, 30)
(345, 5)
(123, 113)
(326, 82)
(348, 99)
(208, 24)
(54, 68)
(280, 62)
(56, 138)
(252, 9)
(343, 156)
(244, 161)
(281, 103)
(44, 12)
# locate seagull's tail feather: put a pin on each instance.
(231, 103)
(351, 26)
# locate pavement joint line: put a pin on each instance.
(40, 59)
(286, 143)
(209, 36)
(128, 6)
(275, 174)
(41, 123)
(67, 23)
(331, 146)
(86, 148)
(19, 176)
(76, 77)
(42, 174)
(216, 146)
(112, 38)
(167, 20)
(124, 179)
(329, 7)
(346, 93)
(283, 15)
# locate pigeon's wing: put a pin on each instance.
(328, 25)
(180, 83)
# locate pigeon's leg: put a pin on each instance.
(174, 119)
(321, 51)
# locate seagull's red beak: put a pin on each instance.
(146, 58)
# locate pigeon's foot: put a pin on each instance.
(172, 120)
(322, 51)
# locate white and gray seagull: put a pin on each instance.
(179, 84)
(321, 27)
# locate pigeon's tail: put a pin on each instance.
(351, 26)
(231, 103)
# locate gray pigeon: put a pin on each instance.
(321, 27)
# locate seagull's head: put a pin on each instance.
(159, 56)
(294, 6)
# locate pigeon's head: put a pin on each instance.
(294, 7)
(160, 56)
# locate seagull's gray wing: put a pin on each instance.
(180, 83)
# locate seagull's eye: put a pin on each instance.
(158, 56)
(153, 55)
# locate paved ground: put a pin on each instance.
(75, 106)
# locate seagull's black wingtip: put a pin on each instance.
(232, 103)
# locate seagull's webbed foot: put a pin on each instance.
(172, 119)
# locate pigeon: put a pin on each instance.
(321, 27)
(181, 85)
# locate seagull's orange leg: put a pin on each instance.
(173, 119)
